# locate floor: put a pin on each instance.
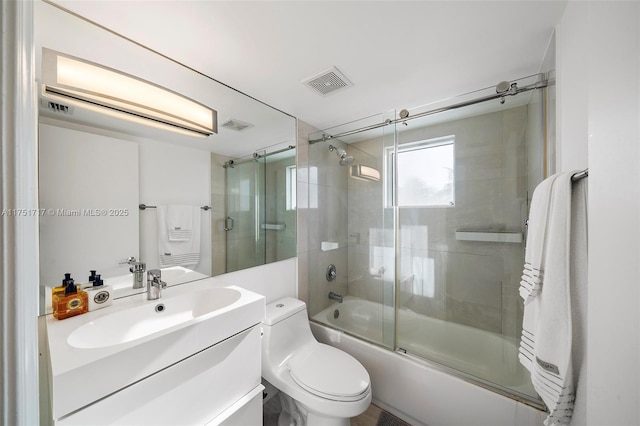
(368, 418)
(374, 416)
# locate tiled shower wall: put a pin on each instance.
(280, 243)
(474, 283)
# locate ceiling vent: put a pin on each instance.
(237, 125)
(328, 81)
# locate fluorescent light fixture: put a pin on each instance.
(361, 172)
(87, 84)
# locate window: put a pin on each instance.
(291, 188)
(425, 173)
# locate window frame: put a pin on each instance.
(291, 174)
(390, 164)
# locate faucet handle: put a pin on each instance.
(154, 276)
(138, 267)
(154, 284)
(127, 261)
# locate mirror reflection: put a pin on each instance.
(259, 221)
(214, 204)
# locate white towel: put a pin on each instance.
(178, 253)
(180, 222)
(546, 344)
(537, 227)
(424, 276)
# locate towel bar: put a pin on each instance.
(580, 175)
(144, 207)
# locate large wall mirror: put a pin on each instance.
(231, 195)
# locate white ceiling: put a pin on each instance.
(397, 54)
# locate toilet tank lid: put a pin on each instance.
(282, 309)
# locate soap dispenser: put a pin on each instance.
(57, 291)
(92, 277)
(89, 283)
(99, 294)
(72, 302)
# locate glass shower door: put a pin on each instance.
(462, 197)
(353, 230)
(245, 245)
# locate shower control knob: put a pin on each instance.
(331, 272)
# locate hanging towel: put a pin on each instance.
(546, 343)
(537, 226)
(178, 253)
(180, 222)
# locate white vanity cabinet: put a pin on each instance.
(200, 376)
(200, 390)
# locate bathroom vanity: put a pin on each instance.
(190, 357)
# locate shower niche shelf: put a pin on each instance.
(489, 236)
(329, 245)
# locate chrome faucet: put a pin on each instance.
(137, 268)
(154, 284)
(335, 296)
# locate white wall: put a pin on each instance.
(164, 174)
(87, 221)
(274, 280)
(572, 74)
(171, 174)
(598, 111)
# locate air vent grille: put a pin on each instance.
(328, 81)
(58, 107)
(237, 125)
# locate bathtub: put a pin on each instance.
(425, 385)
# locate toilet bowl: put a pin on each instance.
(326, 386)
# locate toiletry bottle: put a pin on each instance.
(60, 289)
(73, 302)
(99, 294)
(92, 278)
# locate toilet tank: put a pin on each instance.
(282, 309)
(286, 331)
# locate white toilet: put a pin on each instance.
(323, 385)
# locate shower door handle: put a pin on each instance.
(228, 223)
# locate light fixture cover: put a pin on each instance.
(358, 171)
(87, 83)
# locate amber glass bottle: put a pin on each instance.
(70, 303)
(59, 291)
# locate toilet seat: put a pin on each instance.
(329, 373)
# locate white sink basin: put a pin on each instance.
(109, 349)
(142, 321)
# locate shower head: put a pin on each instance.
(346, 160)
(342, 154)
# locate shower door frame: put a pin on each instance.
(257, 205)
(541, 83)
